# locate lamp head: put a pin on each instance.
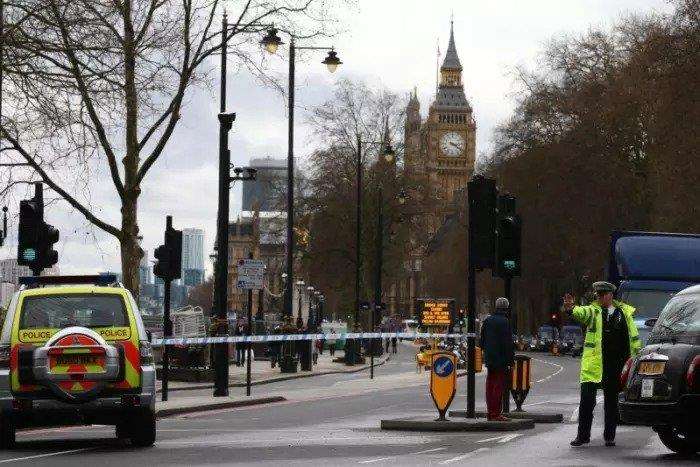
(271, 41)
(332, 61)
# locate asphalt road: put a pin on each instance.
(334, 420)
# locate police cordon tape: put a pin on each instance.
(303, 337)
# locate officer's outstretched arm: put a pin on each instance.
(582, 314)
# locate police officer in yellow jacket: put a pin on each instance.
(611, 338)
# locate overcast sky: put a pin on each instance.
(387, 42)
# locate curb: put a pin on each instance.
(476, 425)
(277, 379)
(168, 412)
(535, 417)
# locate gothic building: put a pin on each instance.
(441, 150)
(442, 147)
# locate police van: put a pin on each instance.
(74, 350)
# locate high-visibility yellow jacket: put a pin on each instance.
(592, 317)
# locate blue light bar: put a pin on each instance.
(98, 279)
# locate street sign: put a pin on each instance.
(250, 274)
(435, 311)
(443, 381)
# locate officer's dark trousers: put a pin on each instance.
(585, 414)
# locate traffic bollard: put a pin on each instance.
(520, 383)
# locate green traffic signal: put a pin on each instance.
(29, 255)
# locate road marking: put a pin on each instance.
(574, 414)
(561, 368)
(379, 459)
(464, 456)
(427, 451)
(37, 456)
(536, 403)
(501, 439)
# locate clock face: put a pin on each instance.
(452, 144)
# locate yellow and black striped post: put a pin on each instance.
(520, 384)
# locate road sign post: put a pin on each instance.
(251, 273)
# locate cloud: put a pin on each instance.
(392, 42)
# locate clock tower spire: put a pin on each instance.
(450, 128)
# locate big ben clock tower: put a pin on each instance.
(450, 130)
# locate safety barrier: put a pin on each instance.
(520, 385)
(303, 337)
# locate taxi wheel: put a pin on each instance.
(143, 433)
(7, 433)
(678, 442)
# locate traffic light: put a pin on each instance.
(30, 218)
(35, 237)
(482, 220)
(508, 246)
(48, 235)
(169, 255)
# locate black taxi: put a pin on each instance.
(661, 385)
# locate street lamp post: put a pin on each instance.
(389, 155)
(352, 345)
(271, 42)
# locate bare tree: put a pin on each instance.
(102, 83)
(374, 115)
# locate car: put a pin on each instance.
(74, 350)
(546, 336)
(571, 340)
(661, 385)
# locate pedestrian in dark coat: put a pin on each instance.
(498, 353)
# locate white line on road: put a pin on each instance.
(501, 439)
(561, 368)
(37, 456)
(536, 403)
(427, 451)
(379, 459)
(464, 456)
(574, 414)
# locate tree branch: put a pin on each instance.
(60, 191)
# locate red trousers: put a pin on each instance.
(495, 385)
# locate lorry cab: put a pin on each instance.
(649, 268)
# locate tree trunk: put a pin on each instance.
(131, 252)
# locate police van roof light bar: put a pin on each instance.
(97, 279)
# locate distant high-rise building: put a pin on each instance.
(267, 192)
(10, 271)
(192, 249)
(192, 256)
(144, 270)
(192, 277)
(6, 291)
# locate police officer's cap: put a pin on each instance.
(603, 287)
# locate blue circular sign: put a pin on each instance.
(443, 367)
